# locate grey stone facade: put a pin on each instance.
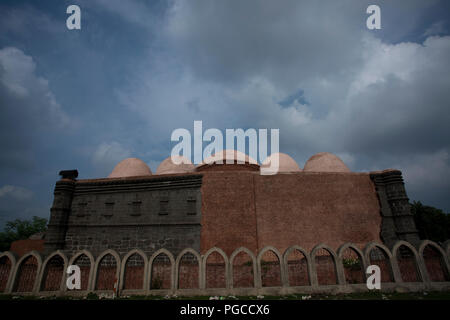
(124, 214)
(398, 221)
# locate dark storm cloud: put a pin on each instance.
(372, 99)
(138, 70)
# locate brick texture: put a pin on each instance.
(247, 209)
(20, 247)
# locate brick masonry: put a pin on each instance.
(296, 270)
(285, 209)
(228, 206)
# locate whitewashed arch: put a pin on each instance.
(38, 257)
(44, 266)
(354, 247)
(444, 258)
(395, 249)
(124, 265)
(338, 271)
(280, 261)
(88, 254)
(97, 264)
(374, 244)
(425, 243)
(393, 267)
(177, 266)
(172, 267)
(447, 249)
(252, 256)
(286, 255)
(225, 260)
(12, 260)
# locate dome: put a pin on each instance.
(168, 167)
(325, 162)
(130, 167)
(225, 155)
(285, 164)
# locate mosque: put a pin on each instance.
(228, 205)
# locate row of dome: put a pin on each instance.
(320, 162)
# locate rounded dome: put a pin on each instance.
(285, 164)
(167, 166)
(225, 155)
(130, 167)
(325, 162)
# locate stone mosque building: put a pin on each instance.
(228, 206)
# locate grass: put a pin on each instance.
(375, 295)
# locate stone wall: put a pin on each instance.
(123, 214)
(228, 209)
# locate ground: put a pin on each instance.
(353, 296)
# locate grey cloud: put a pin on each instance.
(107, 155)
(28, 107)
(15, 192)
(235, 40)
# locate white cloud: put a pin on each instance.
(108, 154)
(15, 192)
(28, 109)
(27, 90)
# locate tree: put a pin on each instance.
(432, 223)
(20, 229)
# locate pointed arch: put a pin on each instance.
(321, 269)
(177, 266)
(286, 255)
(53, 279)
(123, 269)
(447, 249)
(205, 270)
(436, 268)
(253, 268)
(26, 280)
(112, 276)
(89, 270)
(150, 272)
(352, 271)
(408, 267)
(7, 271)
(386, 264)
(260, 269)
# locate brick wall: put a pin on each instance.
(20, 247)
(251, 210)
(243, 269)
(53, 273)
(5, 268)
(26, 275)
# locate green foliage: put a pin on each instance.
(92, 296)
(20, 229)
(432, 223)
(352, 264)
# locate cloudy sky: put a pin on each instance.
(137, 70)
